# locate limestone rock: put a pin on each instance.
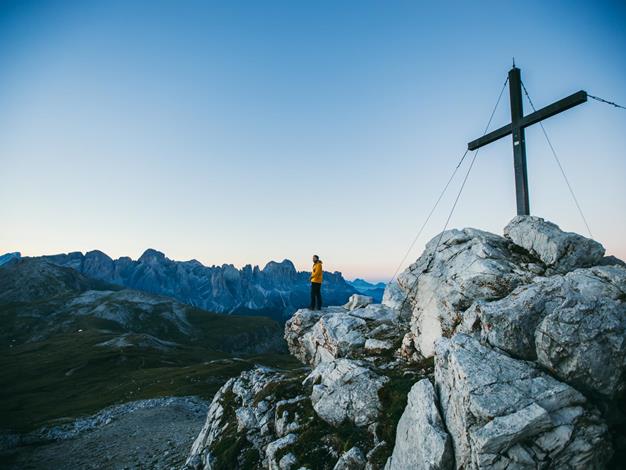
(377, 346)
(574, 325)
(393, 296)
(561, 251)
(200, 456)
(358, 301)
(265, 419)
(238, 411)
(353, 459)
(287, 418)
(277, 445)
(287, 462)
(490, 407)
(457, 268)
(295, 330)
(334, 332)
(345, 389)
(422, 442)
(503, 413)
(314, 337)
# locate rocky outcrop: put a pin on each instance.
(277, 290)
(282, 420)
(345, 390)
(502, 412)
(241, 414)
(10, 258)
(319, 336)
(316, 336)
(358, 301)
(559, 251)
(307, 416)
(353, 459)
(422, 442)
(457, 268)
(574, 325)
(527, 334)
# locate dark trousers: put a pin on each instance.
(316, 296)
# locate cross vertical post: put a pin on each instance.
(519, 142)
(519, 122)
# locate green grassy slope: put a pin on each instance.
(54, 366)
(68, 376)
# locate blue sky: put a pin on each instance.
(240, 132)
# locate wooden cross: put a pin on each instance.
(518, 123)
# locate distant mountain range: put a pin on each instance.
(367, 288)
(277, 290)
(39, 300)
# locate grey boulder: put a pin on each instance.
(559, 250)
(345, 390)
(315, 337)
(352, 459)
(457, 268)
(506, 413)
(288, 461)
(335, 332)
(422, 442)
(358, 301)
(252, 417)
(573, 325)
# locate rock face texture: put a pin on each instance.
(421, 439)
(574, 325)
(10, 258)
(277, 290)
(495, 352)
(353, 459)
(560, 251)
(457, 268)
(345, 390)
(358, 301)
(501, 411)
(319, 336)
(236, 413)
(250, 424)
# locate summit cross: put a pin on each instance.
(516, 128)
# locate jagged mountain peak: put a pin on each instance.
(97, 254)
(151, 255)
(282, 266)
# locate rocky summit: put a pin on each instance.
(503, 352)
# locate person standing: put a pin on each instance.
(316, 284)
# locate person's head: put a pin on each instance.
(316, 258)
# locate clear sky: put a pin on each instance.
(240, 132)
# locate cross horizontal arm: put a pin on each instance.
(491, 137)
(555, 108)
(533, 118)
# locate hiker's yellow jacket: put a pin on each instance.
(316, 274)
